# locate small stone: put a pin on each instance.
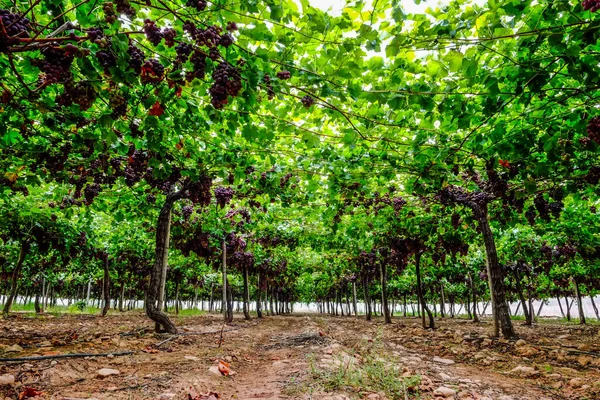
(524, 371)
(106, 372)
(7, 379)
(445, 361)
(444, 376)
(576, 382)
(215, 370)
(167, 396)
(444, 391)
(15, 348)
(520, 343)
(584, 360)
(191, 358)
(110, 356)
(45, 344)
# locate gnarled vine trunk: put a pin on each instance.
(106, 288)
(158, 273)
(384, 300)
(423, 305)
(246, 294)
(500, 309)
(15, 278)
(579, 302)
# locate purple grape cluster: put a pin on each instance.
(232, 26)
(223, 195)
(152, 71)
(153, 33)
(56, 65)
(110, 16)
(124, 7)
(284, 75)
(199, 5)
(593, 128)
(183, 51)
(199, 192)
(307, 101)
(90, 192)
(269, 85)
(14, 24)
(80, 93)
(198, 60)
(106, 58)
(227, 82)
(226, 40)
(187, 212)
(591, 5)
(209, 37)
(136, 58)
(169, 34)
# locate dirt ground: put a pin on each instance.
(296, 357)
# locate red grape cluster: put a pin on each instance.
(591, 5)
(556, 208)
(199, 5)
(153, 33)
(214, 54)
(398, 203)
(593, 128)
(95, 35)
(455, 220)
(227, 82)
(530, 215)
(307, 101)
(136, 58)
(284, 180)
(284, 75)
(187, 212)
(593, 175)
(152, 71)
(270, 91)
(12, 27)
(542, 207)
(106, 58)
(223, 195)
(232, 26)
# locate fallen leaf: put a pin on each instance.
(156, 110)
(206, 396)
(224, 368)
(29, 392)
(150, 350)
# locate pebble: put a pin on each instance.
(520, 343)
(444, 391)
(105, 372)
(191, 358)
(445, 361)
(7, 379)
(15, 348)
(524, 371)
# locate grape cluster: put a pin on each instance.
(232, 26)
(591, 5)
(556, 208)
(455, 219)
(284, 180)
(109, 12)
(81, 93)
(227, 82)
(169, 34)
(530, 215)
(153, 33)
(593, 128)
(593, 175)
(542, 207)
(136, 58)
(307, 101)
(90, 192)
(593, 210)
(223, 195)
(14, 26)
(187, 211)
(198, 59)
(123, 7)
(190, 28)
(199, 5)
(118, 103)
(55, 65)
(270, 91)
(106, 58)
(284, 75)
(95, 35)
(398, 203)
(209, 37)
(152, 71)
(136, 167)
(151, 198)
(183, 51)
(226, 40)
(214, 54)
(199, 192)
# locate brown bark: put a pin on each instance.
(424, 307)
(163, 232)
(15, 278)
(384, 300)
(579, 302)
(500, 309)
(106, 287)
(246, 294)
